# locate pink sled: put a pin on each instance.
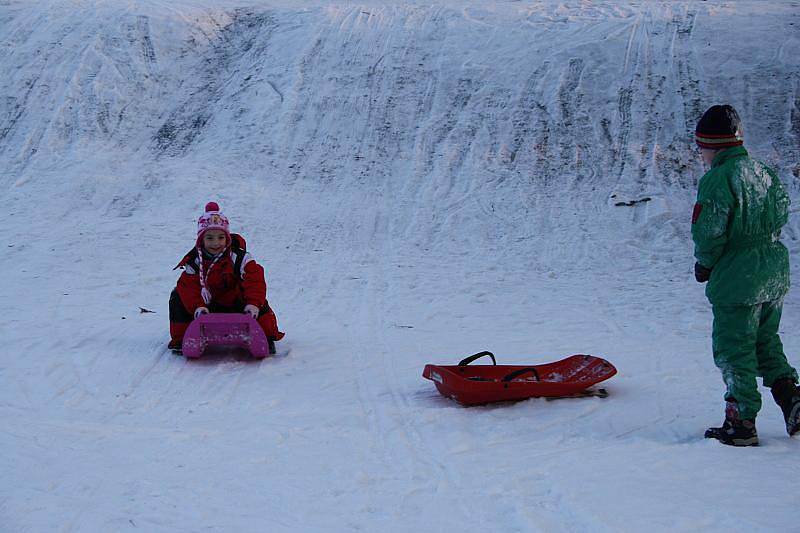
(236, 330)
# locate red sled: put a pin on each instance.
(236, 330)
(474, 385)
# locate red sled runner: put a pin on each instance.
(474, 385)
(225, 329)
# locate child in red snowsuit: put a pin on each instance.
(219, 276)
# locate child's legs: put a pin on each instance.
(772, 363)
(269, 323)
(179, 317)
(734, 345)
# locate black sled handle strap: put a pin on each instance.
(471, 358)
(521, 371)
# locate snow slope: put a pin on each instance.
(422, 181)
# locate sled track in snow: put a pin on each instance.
(529, 126)
(234, 45)
(424, 467)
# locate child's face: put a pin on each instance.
(214, 241)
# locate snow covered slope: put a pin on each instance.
(422, 181)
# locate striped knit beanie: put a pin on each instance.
(719, 127)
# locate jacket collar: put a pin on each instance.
(728, 153)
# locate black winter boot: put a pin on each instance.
(176, 346)
(734, 431)
(787, 396)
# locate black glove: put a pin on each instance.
(701, 273)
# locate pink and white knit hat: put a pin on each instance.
(212, 219)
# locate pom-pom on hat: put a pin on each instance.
(212, 219)
(719, 127)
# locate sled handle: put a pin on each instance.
(521, 371)
(471, 358)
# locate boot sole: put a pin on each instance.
(752, 441)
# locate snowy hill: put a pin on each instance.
(422, 182)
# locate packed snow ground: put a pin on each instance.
(422, 182)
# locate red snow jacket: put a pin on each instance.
(236, 278)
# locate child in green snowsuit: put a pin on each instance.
(736, 225)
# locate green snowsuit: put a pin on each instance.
(736, 225)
